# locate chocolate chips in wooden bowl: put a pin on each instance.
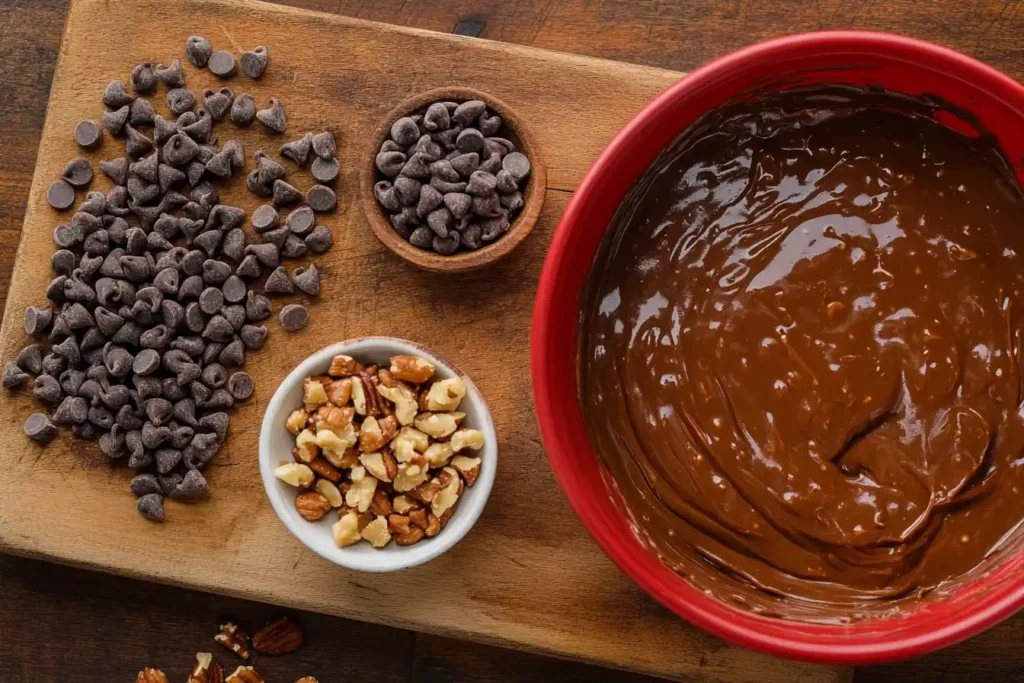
(453, 180)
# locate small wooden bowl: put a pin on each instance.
(513, 128)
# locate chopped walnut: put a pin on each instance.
(446, 395)
(411, 369)
(346, 530)
(361, 493)
(376, 532)
(374, 464)
(340, 391)
(467, 438)
(330, 492)
(468, 467)
(295, 474)
(439, 454)
(437, 425)
(297, 420)
(313, 394)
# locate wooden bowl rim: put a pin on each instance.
(533, 197)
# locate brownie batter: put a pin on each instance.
(801, 359)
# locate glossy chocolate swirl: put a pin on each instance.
(801, 359)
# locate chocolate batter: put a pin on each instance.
(801, 359)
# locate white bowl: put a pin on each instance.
(276, 444)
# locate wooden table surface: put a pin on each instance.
(59, 624)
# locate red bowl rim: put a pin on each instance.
(818, 643)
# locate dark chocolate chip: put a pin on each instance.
(221, 64)
(54, 364)
(13, 376)
(88, 134)
(137, 144)
(211, 300)
(217, 423)
(192, 487)
(469, 140)
(492, 228)
(37, 319)
(293, 247)
(208, 241)
(47, 388)
(215, 272)
(447, 247)
(458, 203)
(243, 110)
(404, 131)
(232, 355)
(210, 355)
(224, 217)
(249, 267)
(200, 131)
(492, 165)
(254, 62)
(218, 329)
(146, 168)
(517, 165)
(264, 218)
(60, 195)
(293, 317)
(278, 283)
(180, 149)
(141, 113)
(143, 484)
(235, 314)
(219, 399)
(467, 112)
(285, 194)
(488, 206)
(30, 359)
(101, 417)
(470, 236)
(233, 289)
(218, 102)
(185, 411)
(214, 375)
(69, 349)
(197, 50)
(240, 386)
(321, 198)
(324, 170)
(195, 319)
(117, 360)
(253, 336)
(390, 163)
(233, 244)
(171, 76)
(114, 121)
(436, 117)
(257, 307)
(266, 253)
(151, 506)
(191, 287)
(273, 117)
(158, 410)
(220, 164)
(116, 95)
(143, 78)
(307, 279)
(422, 237)
(298, 150)
(72, 410)
(320, 240)
(387, 196)
(39, 428)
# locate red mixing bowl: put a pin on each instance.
(851, 57)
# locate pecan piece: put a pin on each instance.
(234, 638)
(279, 637)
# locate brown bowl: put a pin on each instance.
(513, 128)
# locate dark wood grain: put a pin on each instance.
(59, 624)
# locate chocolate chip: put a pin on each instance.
(193, 486)
(493, 228)
(210, 355)
(436, 117)
(233, 290)
(200, 131)
(447, 247)
(13, 376)
(321, 198)
(63, 261)
(249, 267)
(467, 112)
(254, 62)
(208, 241)
(307, 279)
(137, 144)
(151, 506)
(146, 168)
(78, 172)
(197, 50)
(158, 410)
(69, 349)
(195, 319)
(240, 386)
(278, 283)
(147, 387)
(141, 113)
(116, 95)
(224, 217)
(195, 172)
(320, 240)
(220, 165)
(30, 359)
(298, 150)
(488, 206)
(54, 364)
(469, 140)
(128, 334)
(117, 360)
(233, 244)
(107, 322)
(180, 149)
(293, 247)
(390, 163)
(157, 337)
(293, 317)
(219, 398)
(218, 329)
(429, 200)
(324, 170)
(404, 131)
(215, 272)
(257, 307)
(254, 336)
(218, 102)
(386, 195)
(88, 134)
(171, 76)
(37, 319)
(418, 166)
(39, 428)
(101, 417)
(72, 410)
(71, 381)
(211, 300)
(266, 253)
(144, 484)
(481, 184)
(114, 121)
(243, 110)
(221, 64)
(273, 117)
(492, 165)
(233, 354)
(185, 411)
(422, 237)
(60, 195)
(407, 189)
(47, 388)
(458, 203)
(470, 236)
(264, 218)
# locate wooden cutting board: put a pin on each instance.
(528, 575)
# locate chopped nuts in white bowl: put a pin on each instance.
(460, 432)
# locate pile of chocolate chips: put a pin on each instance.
(151, 308)
(448, 179)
